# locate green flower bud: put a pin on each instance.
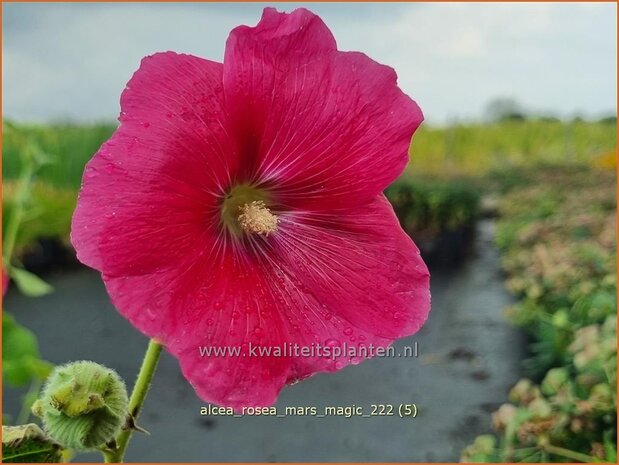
(523, 392)
(540, 408)
(602, 397)
(505, 415)
(561, 319)
(554, 380)
(482, 450)
(83, 405)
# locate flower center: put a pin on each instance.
(256, 218)
(246, 210)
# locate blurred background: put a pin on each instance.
(510, 194)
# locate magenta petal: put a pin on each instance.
(150, 190)
(359, 276)
(300, 30)
(352, 276)
(317, 123)
(224, 301)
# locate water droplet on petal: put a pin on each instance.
(348, 331)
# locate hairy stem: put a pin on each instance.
(17, 215)
(568, 454)
(142, 384)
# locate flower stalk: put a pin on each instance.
(17, 215)
(142, 384)
(568, 454)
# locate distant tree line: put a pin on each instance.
(508, 109)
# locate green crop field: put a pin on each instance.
(477, 149)
(473, 149)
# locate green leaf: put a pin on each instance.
(30, 284)
(28, 444)
(20, 354)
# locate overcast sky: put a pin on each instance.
(71, 61)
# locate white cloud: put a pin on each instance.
(72, 60)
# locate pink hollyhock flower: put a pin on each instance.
(240, 204)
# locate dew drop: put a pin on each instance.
(91, 172)
(332, 342)
(348, 331)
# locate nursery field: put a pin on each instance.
(541, 192)
(478, 149)
(557, 235)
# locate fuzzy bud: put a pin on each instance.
(554, 380)
(504, 416)
(523, 392)
(540, 408)
(83, 405)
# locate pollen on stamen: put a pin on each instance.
(255, 217)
